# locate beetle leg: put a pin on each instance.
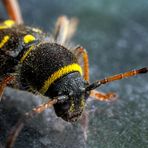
(7, 80)
(13, 10)
(109, 79)
(61, 30)
(64, 29)
(73, 22)
(111, 96)
(14, 133)
(82, 53)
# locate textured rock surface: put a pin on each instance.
(115, 33)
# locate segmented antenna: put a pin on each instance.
(117, 77)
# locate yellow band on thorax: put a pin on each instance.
(26, 54)
(4, 40)
(58, 74)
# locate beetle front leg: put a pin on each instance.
(111, 96)
(82, 53)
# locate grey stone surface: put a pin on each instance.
(115, 34)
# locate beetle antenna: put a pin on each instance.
(117, 77)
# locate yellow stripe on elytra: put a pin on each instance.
(26, 54)
(59, 73)
(7, 24)
(4, 40)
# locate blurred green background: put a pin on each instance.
(115, 34)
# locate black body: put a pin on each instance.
(45, 59)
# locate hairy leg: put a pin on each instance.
(82, 53)
(111, 96)
(13, 10)
(64, 29)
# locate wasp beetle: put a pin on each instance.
(34, 61)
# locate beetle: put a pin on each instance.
(33, 61)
